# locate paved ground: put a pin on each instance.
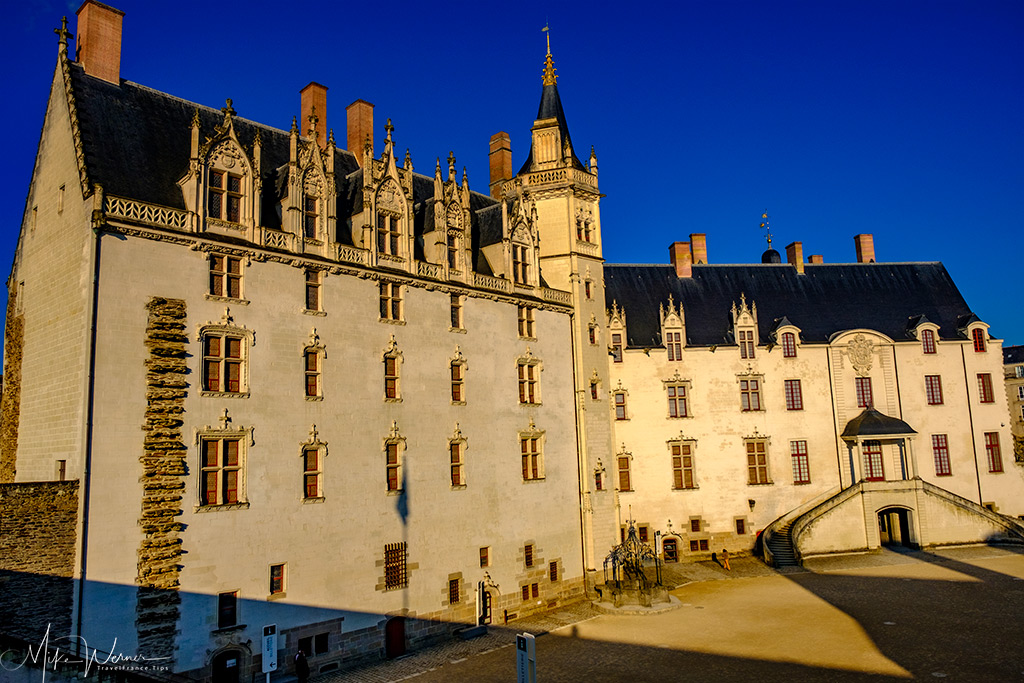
(955, 614)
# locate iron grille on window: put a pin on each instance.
(395, 557)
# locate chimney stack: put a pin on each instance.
(816, 259)
(795, 255)
(682, 259)
(314, 99)
(865, 248)
(699, 248)
(360, 127)
(99, 41)
(501, 162)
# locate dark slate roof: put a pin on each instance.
(825, 300)
(137, 146)
(873, 423)
(1013, 354)
(551, 108)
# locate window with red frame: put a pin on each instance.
(746, 343)
(276, 579)
(312, 357)
(221, 471)
(677, 400)
(978, 335)
(985, 394)
(393, 453)
(928, 341)
(995, 456)
(788, 345)
(874, 470)
(794, 395)
(674, 343)
(624, 483)
(801, 465)
(933, 389)
(940, 449)
(457, 465)
(750, 395)
(864, 396)
(222, 363)
(312, 471)
(391, 377)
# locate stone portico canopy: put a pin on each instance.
(872, 425)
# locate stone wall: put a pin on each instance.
(37, 557)
(10, 405)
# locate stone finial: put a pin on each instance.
(451, 165)
(63, 34)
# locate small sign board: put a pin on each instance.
(269, 648)
(526, 658)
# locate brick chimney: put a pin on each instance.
(314, 98)
(99, 41)
(795, 255)
(501, 162)
(679, 254)
(360, 127)
(865, 248)
(816, 258)
(699, 247)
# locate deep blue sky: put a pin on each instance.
(902, 119)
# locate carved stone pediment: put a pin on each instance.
(861, 352)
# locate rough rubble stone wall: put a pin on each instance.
(10, 405)
(38, 523)
(163, 479)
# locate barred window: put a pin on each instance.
(226, 276)
(801, 466)
(788, 345)
(528, 554)
(395, 560)
(453, 591)
(933, 389)
(940, 449)
(794, 395)
(553, 571)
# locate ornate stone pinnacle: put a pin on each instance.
(389, 129)
(63, 34)
(313, 120)
(451, 165)
(228, 111)
(295, 125)
(195, 118)
(549, 63)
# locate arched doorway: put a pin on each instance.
(394, 637)
(894, 527)
(227, 667)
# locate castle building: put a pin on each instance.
(1013, 361)
(270, 381)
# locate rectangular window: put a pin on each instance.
(276, 579)
(520, 265)
(393, 454)
(62, 470)
(312, 471)
(788, 345)
(457, 465)
(221, 471)
(1020, 374)
(391, 377)
(928, 341)
(312, 363)
(682, 466)
(874, 469)
(485, 556)
(593, 391)
(458, 383)
(553, 571)
(704, 544)
(528, 382)
(222, 363)
(226, 276)
(526, 322)
(535, 590)
(985, 394)
(528, 555)
(794, 395)
(592, 331)
(624, 482)
(940, 449)
(670, 549)
(453, 591)
(801, 466)
(617, 348)
(1020, 389)
(995, 457)
(395, 558)
(674, 342)
(453, 253)
(695, 525)
(677, 400)
(224, 196)
(694, 546)
(587, 290)
(746, 343)
(526, 592)
(750, 395)
(227, 609)
(309, 214)
(60, 199)
(864, 396)
(387, 234)
(757, 462)
(978, 336)
(319, 644)
(620, 405)
(599, 480)
(741, 527)
(533, 465)
(390, 301)
(456, 303)
(643, 533)
(933, 389)
(313, 290)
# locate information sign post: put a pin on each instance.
(526, 658)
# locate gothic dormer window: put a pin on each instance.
(310, 211)
(521, 270)
(389, 219)
(224, 196)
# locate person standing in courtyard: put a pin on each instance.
(301, 667)
(725, 559)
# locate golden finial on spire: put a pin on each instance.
(767, 228)
(550, 78)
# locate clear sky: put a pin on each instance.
(901, 119)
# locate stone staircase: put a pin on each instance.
(780, 544)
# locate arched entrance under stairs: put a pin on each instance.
(894, 528)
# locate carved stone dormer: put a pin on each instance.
(521, 242)
(387, 207)
(673, 328)
(447, 242)
(309, 210)
(744, 326)
(222, 185)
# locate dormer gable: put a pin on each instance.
(744, 326)
(448, 243)
(387, 207)
(673, 328)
